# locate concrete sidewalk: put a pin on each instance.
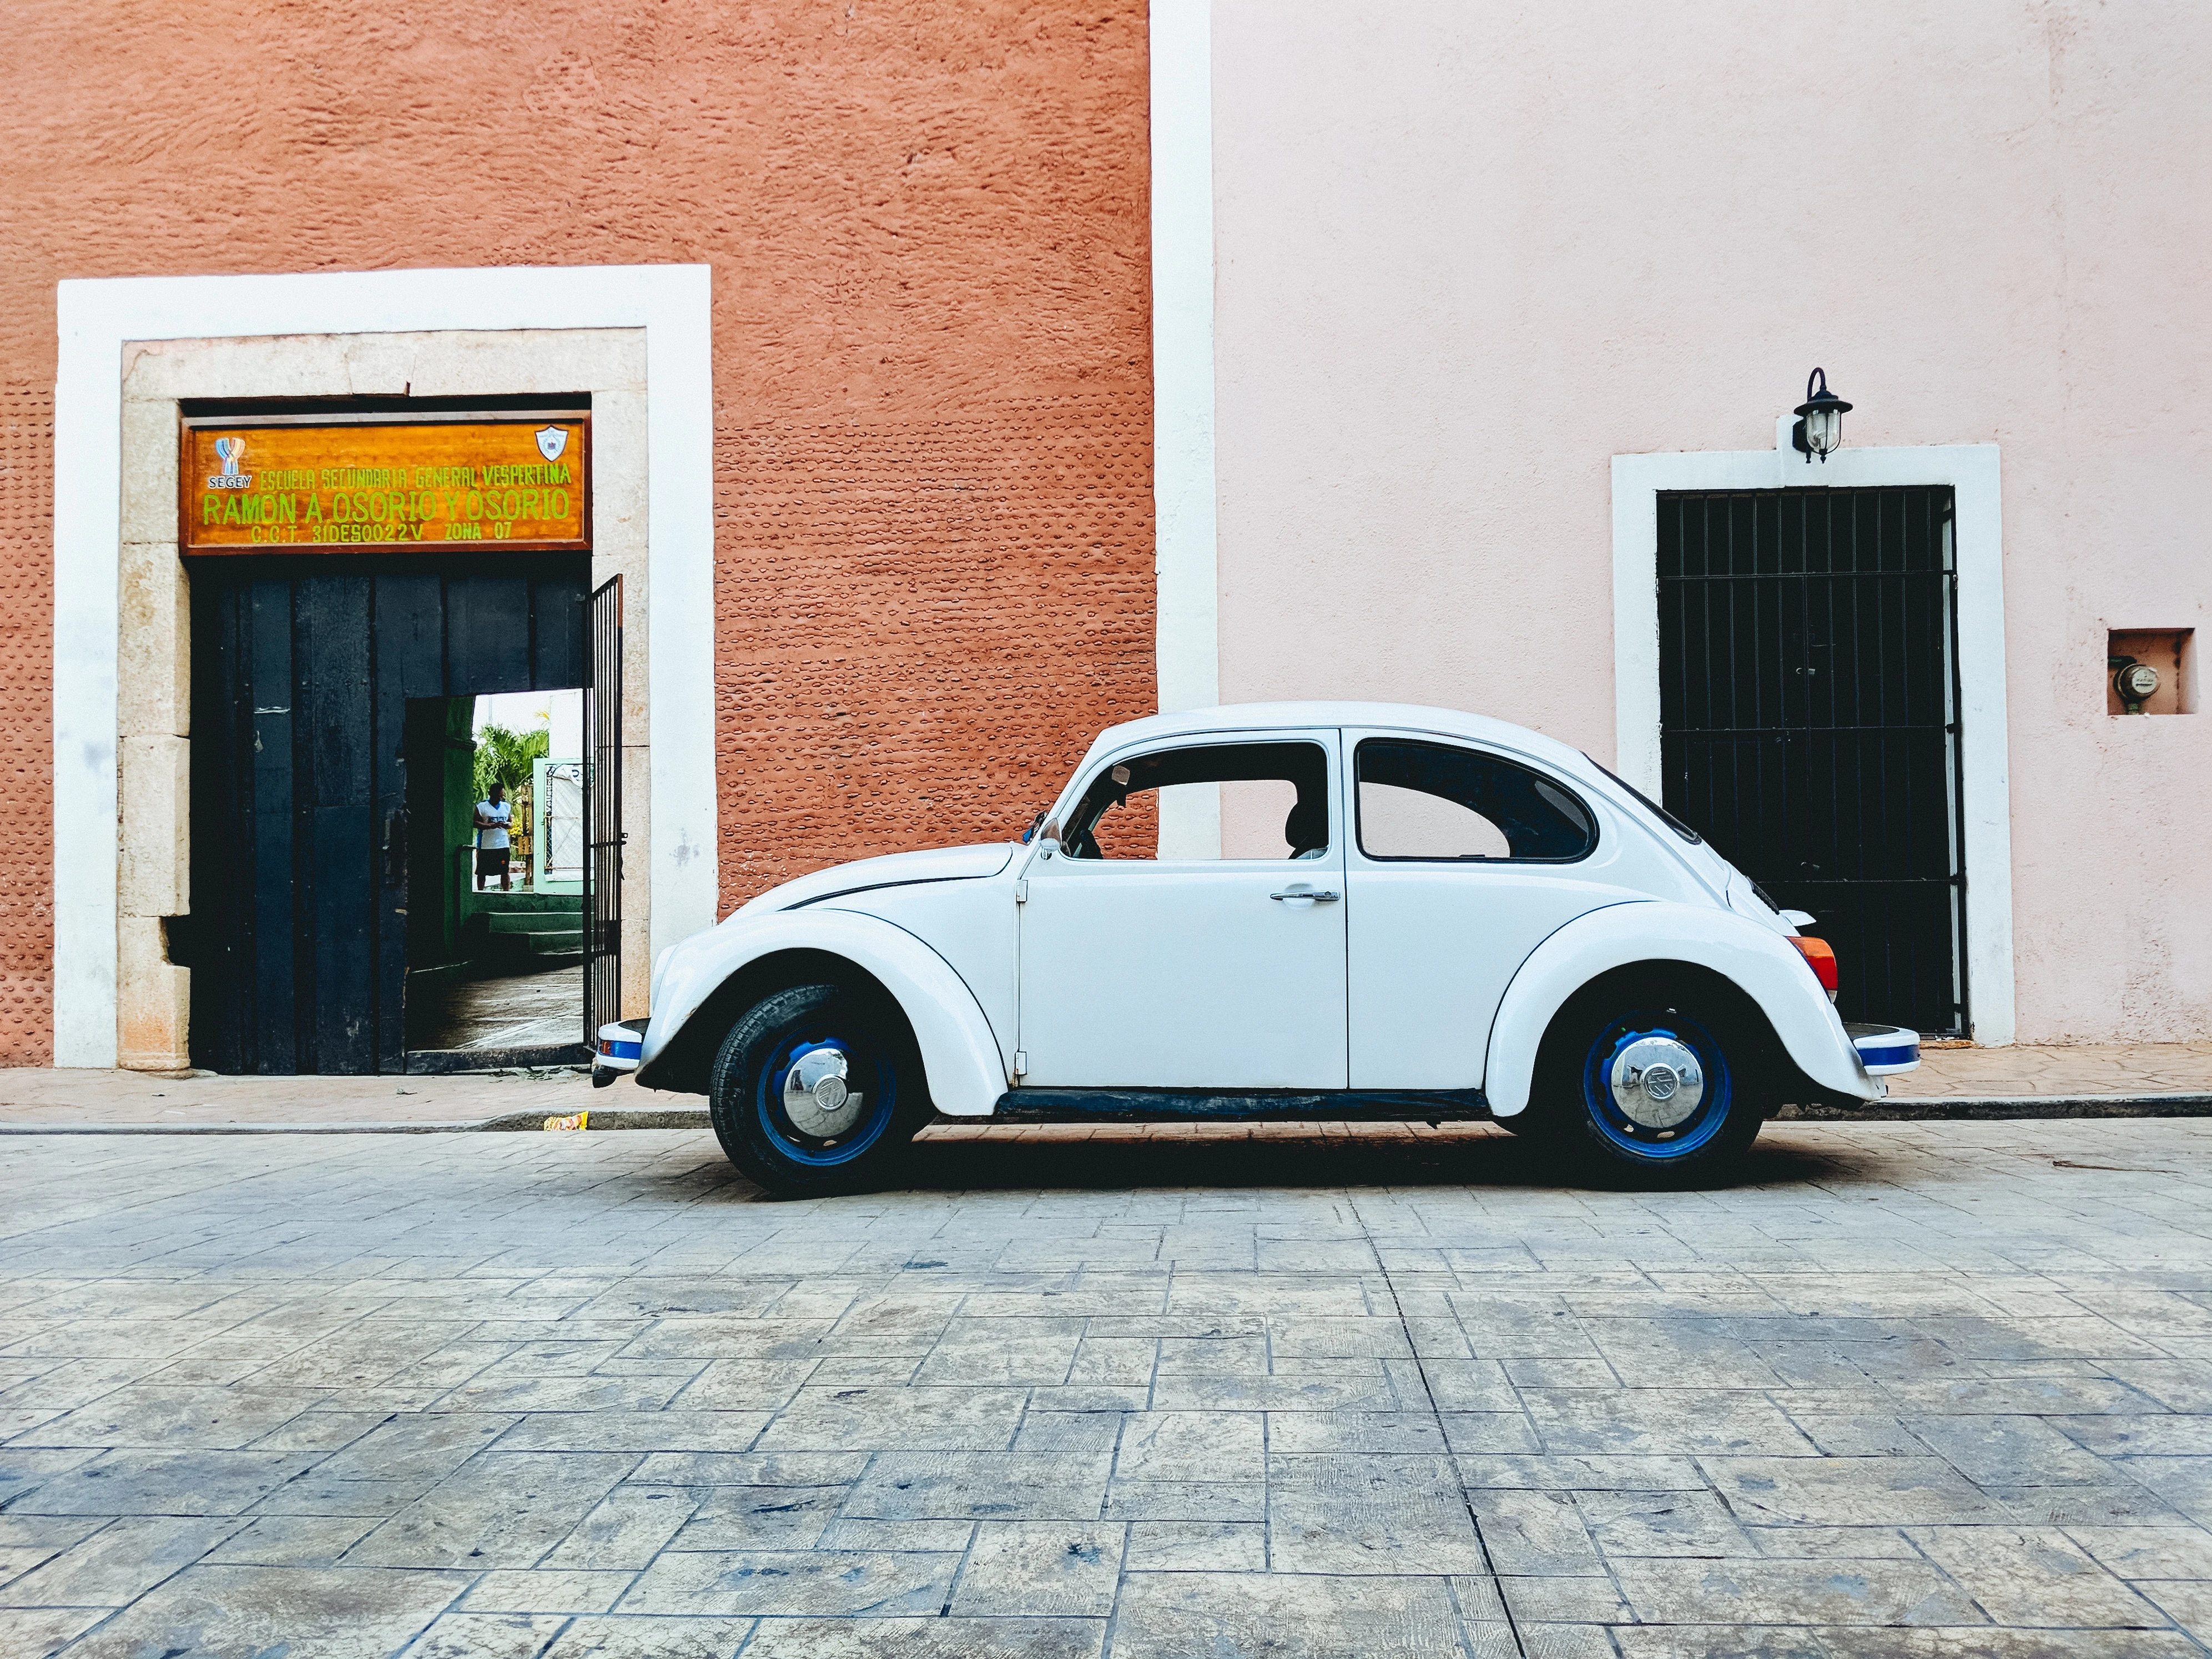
(2083, 1080)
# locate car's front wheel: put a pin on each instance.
(816, 1090)
(1653, 1080)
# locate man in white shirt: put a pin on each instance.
(492, 818)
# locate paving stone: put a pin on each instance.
(519, 1590)
(488, 1636)
(624, 1530)
(1661, 1420)
(2009, 1451)
(928, 1639)
(919, 1418)
(1396, 1515)
(1848, 1491)
(143, 1414)
(1187, 1500)
(1192, 1446)
(1172, 1615)
(760, 1518)
(981, 1485)
(2040, 1577)
(502, 1509)
(1197, 1547)
(2188, 1602)
(622, 1637)
(1657, 1523)
(338, 1612)
(135, 1482)
(841, 1583)
(2148, 1551)
(292, 1541)
(119, 1563)
(1040, 1569)
(1762, 1592)
(40, 1632)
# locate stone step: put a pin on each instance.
(553, 945)
(535, 921)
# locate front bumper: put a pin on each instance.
(1885, 1050)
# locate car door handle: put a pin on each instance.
(1306, 893)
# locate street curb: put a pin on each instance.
(1998, 1107)
(1990, 1109)
(505, 1122)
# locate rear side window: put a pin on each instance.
(1435, 802)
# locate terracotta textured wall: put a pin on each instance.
(927, 224)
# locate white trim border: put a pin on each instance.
(97, 319)
(1187, 595)
(1187, 640)
(1972, 473)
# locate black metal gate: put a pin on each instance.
(603, 831)
(1809, 726)
(308, 867)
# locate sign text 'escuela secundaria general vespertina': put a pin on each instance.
(520, 483)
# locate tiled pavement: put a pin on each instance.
(1935, 1390)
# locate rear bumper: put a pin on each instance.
(1885, 1050)
(620, 1044)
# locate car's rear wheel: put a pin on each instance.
(1652, 1081)
(816, 1090)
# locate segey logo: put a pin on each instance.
(228, 452)
(551, 441)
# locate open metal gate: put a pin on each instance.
(603, 830)
(1809, 724)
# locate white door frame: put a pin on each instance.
(97, 321)
(1971, 471)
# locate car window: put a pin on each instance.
(1273, 798)
(1437, 801)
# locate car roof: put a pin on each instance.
(1389, 716)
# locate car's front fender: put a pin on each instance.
(1757, 960)
(965, 1073)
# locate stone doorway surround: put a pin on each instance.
(1974, 475)
(635, 338)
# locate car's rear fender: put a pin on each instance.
(711, 974)
(1757, 960)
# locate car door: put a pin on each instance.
(1145, 972)
(1460, 862)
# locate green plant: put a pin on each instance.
(504, 756)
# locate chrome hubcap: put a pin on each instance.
(1656, 1082)
(817, 1097)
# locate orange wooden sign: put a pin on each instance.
(523, 484)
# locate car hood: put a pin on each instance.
(893, 870)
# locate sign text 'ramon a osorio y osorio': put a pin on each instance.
(249, 485)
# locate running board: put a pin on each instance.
(1243, 1106)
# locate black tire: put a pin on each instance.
(1580, 1119)
(816, 1151)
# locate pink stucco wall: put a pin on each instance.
(1466, 254)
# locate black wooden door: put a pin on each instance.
(302, 671)
(603, 830)
(1808, 718)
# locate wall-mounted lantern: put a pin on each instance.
(1820, 428)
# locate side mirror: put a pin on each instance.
(1050, 837)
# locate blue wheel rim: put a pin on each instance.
(869, 1072)
(1634, 1139)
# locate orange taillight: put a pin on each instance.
(1821, 959)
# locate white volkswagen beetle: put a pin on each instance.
(1287, 910)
